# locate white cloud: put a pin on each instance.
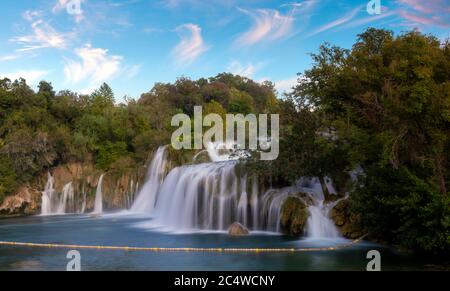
(60, 5)
(337, 22)
(88, 90)
(248, 70)
(285, 85)
(8, 58)
(191, 45)
(131, 71)
(369, 19)
(30, 15)
(95, 65)
(31, 76)
(268, 25)
(43, 36)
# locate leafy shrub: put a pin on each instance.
(110, 153)
(398, 207)
(8, 179)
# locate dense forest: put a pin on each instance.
(382, 107)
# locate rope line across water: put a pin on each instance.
(156, 249)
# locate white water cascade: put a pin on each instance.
(98, 206)
(66, 200)
(146, 198)
(319, 224)
(205, 196)
(212, 196)
(54, 203)
(83, 204)
(47, 196)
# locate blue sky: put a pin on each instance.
(131, 44)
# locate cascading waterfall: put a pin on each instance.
(243, 202)
(204, 196)
(98, 206)
(47, 196)
(212, 196)
(83, 205)
(52, 203)
(66, 202)
(146, 198)
(319, 224)
(272, 202)
(129, 196)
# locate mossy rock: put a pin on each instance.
(294, 214)
(347, 222)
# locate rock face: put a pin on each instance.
(346, 221)
(294, 214)
(119, 188)
(25, 202)
(237, 229)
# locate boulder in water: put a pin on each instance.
(294, 214)
(237, 229)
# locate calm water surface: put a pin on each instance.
(128, 230)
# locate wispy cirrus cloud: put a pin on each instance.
(268, 25)
(191, 45)
(171, 4)
(386, 13)
(271, 24)
(9, 58)
(247, 70)
(422, 6)
(423, 13)
(43, 35)
(337, 22)
(95, 65)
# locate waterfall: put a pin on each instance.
(98, 207)
(83, 205)
(319, 224)
(52, 204)
(212, 196)
(255, 204)
(204, 196)
(66, 201)
(243, 202)
(146, 198)
(47, 196)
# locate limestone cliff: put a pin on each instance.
(119, 188)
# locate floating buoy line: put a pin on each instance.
(156, 249)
